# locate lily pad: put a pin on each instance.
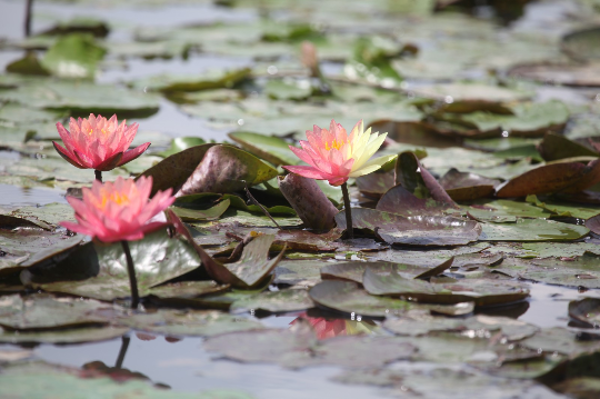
(80, 97)
(173, 171)
(482, 292)
(43, 311)
(565, 177)
(413, 230)
(272, 149)
(274, 301)
(156, 258)
(532, 230)
(480, 325)
(466, 186)
(348, 298)
(226, 169)
(74, 56)
(203, 323)
(586, 310)
(580, 44)
(62, 336)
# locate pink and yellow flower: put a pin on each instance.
(335, 156)
(118, 211)
(98, 143)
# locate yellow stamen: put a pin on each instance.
(117, 198)
(334, 144)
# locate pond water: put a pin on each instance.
(183, 364)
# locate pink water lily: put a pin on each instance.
(335, 156)
(118, 211)
(98, 143)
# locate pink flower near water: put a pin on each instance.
(118, 211)
(335, 156)
(98, 143)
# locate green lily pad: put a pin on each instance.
(483, 292)
(203, 323)
(306, 273)
(46, 217)
(23, 248)
(586, 311)
(81, 97)
(191, 215)
(39, 379)
(43, 311)
(532, 230)
(269, 148)
(580, 44)
(299, 348)
(179, 144)
(62, 336)
(561, 340)
(74, 56)
(156, 258)
(348, 298)
(501, 211)
(288, 90)
(276, 301)
(213, 79)
(480, 325)
(354, 271)
(565, 210)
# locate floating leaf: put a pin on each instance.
(203, 323)
(270, 148)
(555, 146)
(62, 336)
(173, 171)
(276, 301)
(226, 169)
(466, 186)
(413, 230)
(580, 44)
(400, 201)
(42, 311)
(532, 230)
(565, 177)
(586, 310)
(157, 259)
(480, 325)
(348, 298)
(74, 56)
(483, 292)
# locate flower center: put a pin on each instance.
(117, 198)
(91, 132)
(334, 144)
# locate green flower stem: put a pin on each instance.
(98, 175)
(135, 296)
(348, 211)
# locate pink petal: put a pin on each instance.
(130, 155)
(67, 156)
(306, 171)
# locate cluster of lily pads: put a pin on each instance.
(491, 185)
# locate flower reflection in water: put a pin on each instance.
(329, 328)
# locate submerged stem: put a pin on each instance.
(348, 211)
(124, 345)
(98, 174)
(135, 296)
(27, 23)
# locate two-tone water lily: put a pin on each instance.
(97, 143)
(120, 211)
(335, 156)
